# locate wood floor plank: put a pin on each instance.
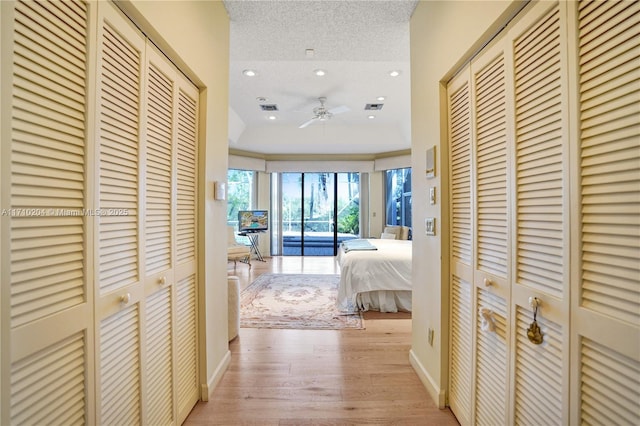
(319, 377)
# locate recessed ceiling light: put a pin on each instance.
(394, 73)
(380, 98)
(320, 73)
(272, 117)
(371, 117)
(249, 73)
(261, 99)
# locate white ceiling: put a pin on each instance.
(356, 42)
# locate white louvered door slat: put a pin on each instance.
(491, 166)
(540, 397)
(492, 357)
(120, 310)
(49, 378)
(186, 346)
(158, 362)
(120, 65)
(186, 173)
(159, 155)
(539, 157)
(606, 359)
(50, 384)
(119, 366)
(460, 141)
(461, 354)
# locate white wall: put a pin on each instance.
(443, 35)
(195, 34)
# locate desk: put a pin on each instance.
(254, 239)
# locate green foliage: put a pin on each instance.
(349, 220)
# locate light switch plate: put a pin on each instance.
(219, 190)
(430, 226)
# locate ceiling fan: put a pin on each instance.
(321, 113)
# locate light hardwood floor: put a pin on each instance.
(319, 377)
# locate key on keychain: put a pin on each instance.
(533, 332)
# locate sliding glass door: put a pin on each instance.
(318, 211)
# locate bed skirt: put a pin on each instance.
(384, 301)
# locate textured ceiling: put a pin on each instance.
(357, 42)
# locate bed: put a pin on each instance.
(377, 279)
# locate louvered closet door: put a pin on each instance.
(541, 220)
(50, 310)
(159, 132)
(491, 239)
(170, 239)
(184, 248)
(462, 305)
(119, 264)
(606, 291)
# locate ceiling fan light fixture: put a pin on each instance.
(249, 73)
(320, 73)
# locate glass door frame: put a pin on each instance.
(277, 200)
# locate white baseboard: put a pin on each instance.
(437, 394)
(215, 377)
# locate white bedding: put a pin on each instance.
(376, 279)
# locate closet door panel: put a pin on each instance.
(462, 301)
(186, 155)
(120, 66)
(159, 129)
(539, 157)
(541, 220)
(490, 116)
(491, 237)
(48, 290)
(120, 310)
(607, 292)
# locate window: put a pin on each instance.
(241, 193)
(398, 196)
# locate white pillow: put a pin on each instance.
(387, 236)
(393, 229)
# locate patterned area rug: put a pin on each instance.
(297, 301)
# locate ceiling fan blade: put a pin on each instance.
(306, 123)
(339, 109)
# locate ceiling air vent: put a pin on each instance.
(269, 107)
(373, 107)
